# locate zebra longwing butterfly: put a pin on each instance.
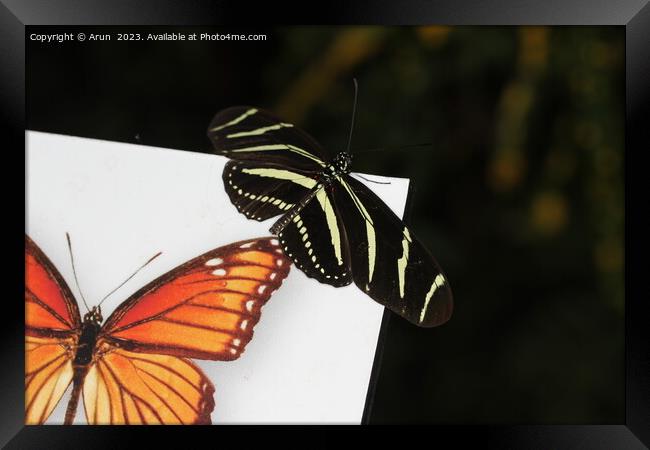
(333, 227)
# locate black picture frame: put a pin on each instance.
(634, 15)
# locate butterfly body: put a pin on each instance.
(90, 329)
(333, 227)
(339, 166)
(135, 367)
(83, 357)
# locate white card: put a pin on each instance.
(312, 352)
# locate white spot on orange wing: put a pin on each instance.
(261, 289)
(214, 262)
(249, 305)
(219, 272)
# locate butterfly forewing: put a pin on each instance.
(261, 191)
(206, 308)
(50, 307)
(388, 262)
(247, 133)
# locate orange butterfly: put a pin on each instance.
(134, 369)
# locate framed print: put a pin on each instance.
(492, 151)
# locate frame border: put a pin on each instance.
(15, 15)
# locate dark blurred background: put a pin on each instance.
(519, 196)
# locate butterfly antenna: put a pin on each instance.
(354, 112)
(369, 180)
(74, 271)
(131, 276)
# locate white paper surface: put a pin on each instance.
(312, 352)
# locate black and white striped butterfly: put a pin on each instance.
(332, 226)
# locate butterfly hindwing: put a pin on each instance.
(261, 191)
(132, 388)
(315, 240)
(388, 262)
(48, 373)
(247, 133)
(205, 308)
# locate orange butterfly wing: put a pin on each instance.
(132, 388)
(51, 332)
(50, 307)
(204, 309)
(48, 373)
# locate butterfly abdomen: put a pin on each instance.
(77, 385)
(286, 219)
(81, 363)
